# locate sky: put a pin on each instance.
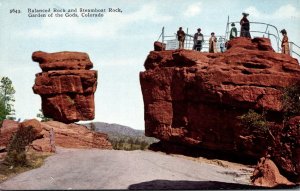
(117, 43)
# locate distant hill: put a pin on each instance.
(112, 128)
(117, 132)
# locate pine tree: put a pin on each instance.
(7, 92)
(42, 117)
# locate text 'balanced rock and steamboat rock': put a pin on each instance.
(195, 99)
(66, 85)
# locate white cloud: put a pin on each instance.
(287, 12)
(283, 12)
(106, 27)
(193, 10)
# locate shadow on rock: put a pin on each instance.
(194, 151)
(196, 185)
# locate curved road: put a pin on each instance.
(112, 169)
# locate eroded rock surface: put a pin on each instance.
(9, 127)
(267, 174)
(66, 85)
(70, 136)
(65, 135)
(194, 98)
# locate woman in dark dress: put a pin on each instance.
(245, 26)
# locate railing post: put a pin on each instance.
(226, 31)
(186, 43)
(163, 34)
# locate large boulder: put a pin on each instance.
(194, 98)
(267, 174)
(27, 132)
(9, 127)
(66, 85)
(62, 60)
(159, 46)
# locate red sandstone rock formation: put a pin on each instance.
(70, 136)
(267, 174)
(158, 46)
(20, 134)
(195, 98)
(66, 135)
(66, 85)
(9, 127)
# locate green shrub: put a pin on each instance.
(291, 100)
(43, 117)
(254, 122)
(129, 144)
(16, 152)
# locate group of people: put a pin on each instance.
(198, 40)
(245, 32)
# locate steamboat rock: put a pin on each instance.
(194, 99)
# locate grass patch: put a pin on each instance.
(34, 160)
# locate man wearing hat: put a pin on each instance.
(181, 37)
(198, 40)
(245, 26)
(233, 31)
(285, 49)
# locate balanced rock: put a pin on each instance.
(66, 85)
(194, 98)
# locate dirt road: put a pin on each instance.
(111, 169)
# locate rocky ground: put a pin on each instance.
(111, 169)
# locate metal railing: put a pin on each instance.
(273, 36)
(259, 29)
(294, 46)
(172, 42)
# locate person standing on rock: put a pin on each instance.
(285, 49)
(233, 32)
(181, 37)
(245, 26)
(212, 43)
(198, 40)
(222, 44)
